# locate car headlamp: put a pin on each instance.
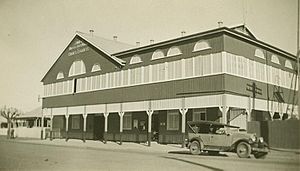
(252, 139)
(261, 139)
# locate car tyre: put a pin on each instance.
(195, 148)
(243, 150)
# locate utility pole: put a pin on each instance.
(255, 90)
(298, 56)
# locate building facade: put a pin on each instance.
(107, 90)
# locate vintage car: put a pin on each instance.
(215, 137)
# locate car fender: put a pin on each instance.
(199, 140)
(236, 142)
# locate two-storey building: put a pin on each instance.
(108, 90)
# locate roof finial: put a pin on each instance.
(115, 38)
(182, 33)
(220, 24)
(91, 32)
(138, 44)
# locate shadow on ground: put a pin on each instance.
(194, 163)
(185, 152)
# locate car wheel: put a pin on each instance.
(243, 150)
(195, 148)
(260, 155)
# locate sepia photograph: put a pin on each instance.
(150, 85)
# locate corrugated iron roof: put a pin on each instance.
(106, 45)
(37, 112)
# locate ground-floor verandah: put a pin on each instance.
(158, 120)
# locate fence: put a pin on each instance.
(34, 132)
(278, 134)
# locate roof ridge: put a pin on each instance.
(87, 34)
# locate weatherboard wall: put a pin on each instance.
(89, 57)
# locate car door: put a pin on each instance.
(219, 141)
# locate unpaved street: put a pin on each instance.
(24, 156)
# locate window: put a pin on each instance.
(103, 80)
(96, 67)
(60, 75)
(189, 67)
(217, 63)
(118, 79)
(207, 64)
(178, 69)
(75, 121)
(201, 45)
(199, 114)
(125, 77)
(77, 68)
(288, 64)
(158, 54)
(198, 66)
(135, 59)
(173, 120)
(173, 51)
(94, 82)
(54, 88)
(127, 121)
(60, 88)
(66, 86)
(259, 53)
(88, 83)
(275, 59)
(155, 72)
(146, 74)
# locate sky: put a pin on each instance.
(33, 33)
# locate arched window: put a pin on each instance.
(158, 54)
(201, 45)
(96, 67)
(259, 53)
(275, 59)
(288, 64)
(135, 59)
(77, 68)
(173, 51)
(60, 75)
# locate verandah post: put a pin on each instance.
(105, 127)
(121, 114)
(149, 112)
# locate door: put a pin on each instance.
(98, 127)
(155, 127)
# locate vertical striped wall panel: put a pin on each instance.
(76, 110)
(166, 104)
(203, 101)
(136, 106)
(114, 107)
(95, 108)
(59, 111)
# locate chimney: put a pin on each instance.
(115, 38)
(138, 44)
(91, 32)
(151, 41)
(220, 24)
(182, 33)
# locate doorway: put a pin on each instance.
(98, 127)
(155, 127)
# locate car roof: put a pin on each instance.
(209, 122)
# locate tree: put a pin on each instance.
(10, 114)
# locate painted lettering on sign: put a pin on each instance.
(77, 47)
